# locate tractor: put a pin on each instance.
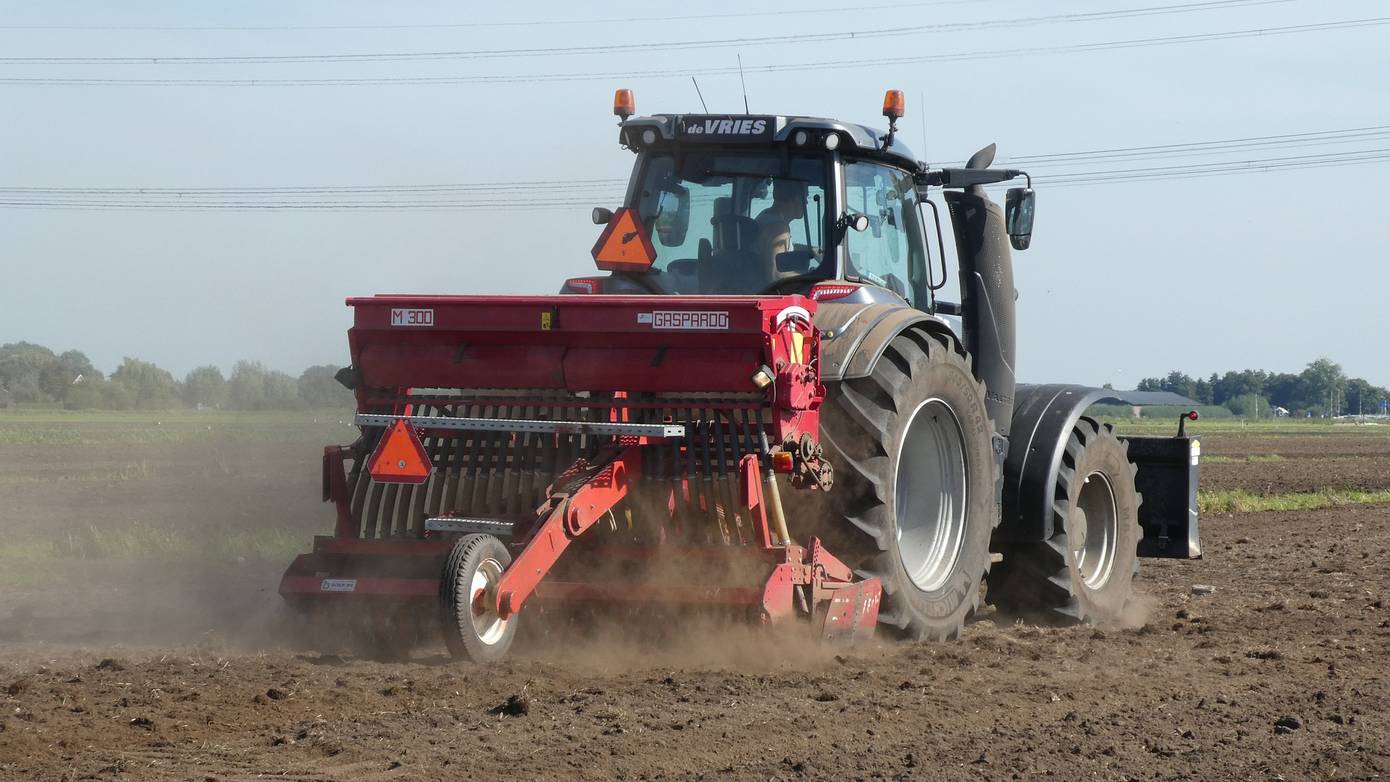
(763, 406)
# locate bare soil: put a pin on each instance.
(134, 670)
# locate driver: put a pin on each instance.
(774, 222)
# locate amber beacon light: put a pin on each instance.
(624, 104)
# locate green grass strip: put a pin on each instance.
(1240, 501)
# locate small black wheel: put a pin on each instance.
(1085, 571)
(472, 629)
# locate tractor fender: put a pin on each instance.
(1042, 421)
(854, 336)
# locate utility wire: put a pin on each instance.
(611, 20)
(647, 46)
(820, 65)
(1195, 147)
(129, 201)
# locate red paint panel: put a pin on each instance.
(675, 369)
(461, 365)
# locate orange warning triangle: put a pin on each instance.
(624, 245)
(399, 457)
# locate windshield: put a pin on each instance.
(734, 222)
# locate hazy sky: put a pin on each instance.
(1124, 280)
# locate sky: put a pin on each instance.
(1262, 269)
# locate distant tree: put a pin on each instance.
(253, 387)
(1322, 383)
(1150, 384)
(205, 386)
(1284, 389)
(115, 396)
(149, 387)
(1201, 391)
(246, 386)
(1249, 405)
(1234, 384)
(281, 391)
(319, 388)
(22, 369)
(1362, 397)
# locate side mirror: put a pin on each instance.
(601, 216)
(672, 216)
(1018, 216)
(859, 222)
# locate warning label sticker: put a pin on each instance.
(405, 317)
(685, 320)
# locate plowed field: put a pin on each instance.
(140, 639)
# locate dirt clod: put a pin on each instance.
(514, 706)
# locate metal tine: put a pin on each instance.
(692, 485)
(728, 496)
(521, 465)
(683, 527)
(545, 463)
(453, 466)
(412, 522)
(371, 518)
(511, 464)
(441, 457)
(361, 484)
(468, 448)
(476, 470)
(497, 445)
(707, 479)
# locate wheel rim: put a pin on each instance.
(1094, 530)
(488, 626)
(930, 495)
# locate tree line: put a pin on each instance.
(35, 374)
(1321, 389)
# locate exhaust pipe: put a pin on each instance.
(987, 295)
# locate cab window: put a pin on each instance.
(890, 252)
(734, 221)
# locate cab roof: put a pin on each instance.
(854, 139)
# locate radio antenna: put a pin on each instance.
(922, 111)
(697, 92)
(744, 83)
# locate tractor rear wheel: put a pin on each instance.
(914, 497)
(472, 628)
(1085, 571)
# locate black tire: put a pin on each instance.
(1057, 582)
(485, 640)
(870, 428)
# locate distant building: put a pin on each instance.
(1138, 400)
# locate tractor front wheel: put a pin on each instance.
(915, 483)
(473, 630)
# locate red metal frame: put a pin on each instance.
(611, 346)
(568, 515)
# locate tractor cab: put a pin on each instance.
(754, 204)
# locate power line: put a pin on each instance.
(1203, 149)
(646, 46)
(470, 25)
(820, 65)
(132, 199)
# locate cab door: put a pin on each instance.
(891, 252)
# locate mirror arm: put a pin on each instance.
(966, 177)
